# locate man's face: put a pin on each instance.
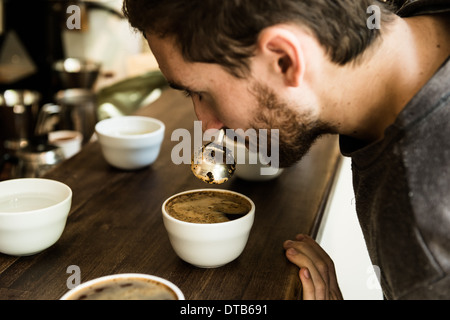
(224, 101)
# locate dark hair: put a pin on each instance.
(226, 31)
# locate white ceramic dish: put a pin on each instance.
(33, 214)
(209, 245)
(91, 285)
(130, 142)
(249, 166)
(68, 140)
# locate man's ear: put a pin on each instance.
(282, 48)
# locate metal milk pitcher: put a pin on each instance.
(75, 109)
(18, 113)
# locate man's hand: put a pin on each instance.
(317, 272)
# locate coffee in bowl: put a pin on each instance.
(208, 228)
(125, 287)
(208, 207)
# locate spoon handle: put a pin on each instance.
(220, 137)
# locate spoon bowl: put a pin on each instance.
(213, 163)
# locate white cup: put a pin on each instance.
(130, 142)
(249, 166)
(125, 286)
(209, 245)
(68, 140)
(33, 214)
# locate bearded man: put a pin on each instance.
(377, 73)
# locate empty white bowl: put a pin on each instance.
(130, 142)
(249, 166)
(33, 214)
(69, 141)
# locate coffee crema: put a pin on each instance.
(126, 289)
(208, 207)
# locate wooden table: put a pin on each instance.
(115, 223)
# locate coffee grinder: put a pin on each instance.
(30, 42)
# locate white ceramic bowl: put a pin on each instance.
(249, 166)
(69, 141)
(33, 214)
(130, 142)
(92, 285)
(209, 245)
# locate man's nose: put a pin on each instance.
(207, 117)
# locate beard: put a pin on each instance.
(297, 132)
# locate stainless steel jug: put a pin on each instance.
(75, 109)
(33, 161)
(24, 127)
(18, 113)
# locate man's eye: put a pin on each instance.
(190, 94)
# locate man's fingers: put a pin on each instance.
(309, 292)
(317, 264)
(314, 280)
(326, 266)
(305, 252)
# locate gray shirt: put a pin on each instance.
(402, 191)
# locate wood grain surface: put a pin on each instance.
(115, 224)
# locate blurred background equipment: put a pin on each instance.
(57, 59)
